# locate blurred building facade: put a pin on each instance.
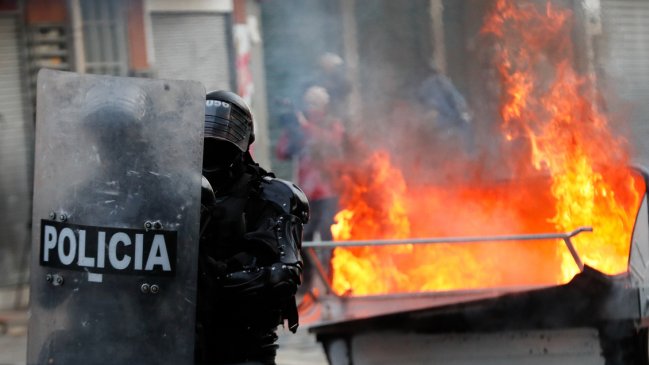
(215, 42)
(622, 51)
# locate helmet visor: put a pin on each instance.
(227, 124)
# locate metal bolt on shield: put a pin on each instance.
(58, 280)
(155, 289)
(145, 288)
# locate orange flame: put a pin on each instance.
(573, 172)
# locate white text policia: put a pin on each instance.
(105, 249)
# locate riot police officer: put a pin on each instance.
(249, 255)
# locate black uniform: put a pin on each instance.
(249, 262)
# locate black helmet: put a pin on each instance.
(228, 118)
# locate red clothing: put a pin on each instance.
(322, 149)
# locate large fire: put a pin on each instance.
(569, 170)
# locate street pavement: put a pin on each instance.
(295, 349)
(13, 337)
(300, 348)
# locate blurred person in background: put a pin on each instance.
(446, 107)
(331, 74)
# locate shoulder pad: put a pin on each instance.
(286, 195)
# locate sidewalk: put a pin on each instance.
(13, 337)
(295, 349)
(300, 348)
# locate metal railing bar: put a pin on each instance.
(468, 239)
(574, 254)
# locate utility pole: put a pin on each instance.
(436, 11)
(350, 46)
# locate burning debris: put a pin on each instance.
(565, 168)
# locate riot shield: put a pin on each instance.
(116, 219)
